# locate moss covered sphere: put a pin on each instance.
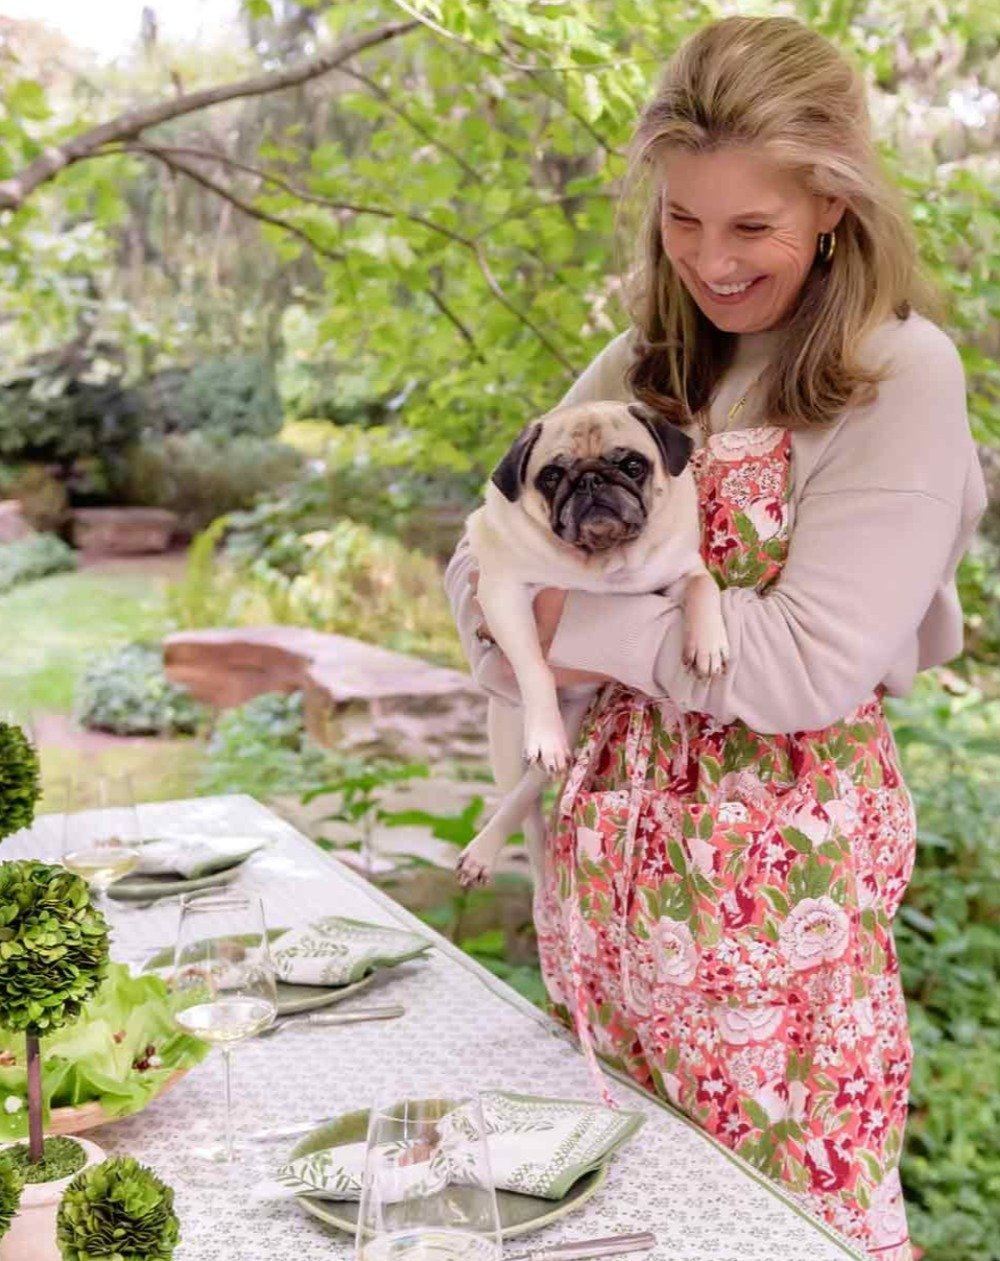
(119, 1209)
(19, 787)
(53, 947)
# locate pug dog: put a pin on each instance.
(595, 497)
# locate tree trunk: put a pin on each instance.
(34, 1099)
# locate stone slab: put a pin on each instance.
(123, 531)
(357, 697)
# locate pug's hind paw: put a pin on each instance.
(472, 871)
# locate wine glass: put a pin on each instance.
(101, 832)
(224, 979)
(427, 1191)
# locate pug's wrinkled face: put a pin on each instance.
(593, 473)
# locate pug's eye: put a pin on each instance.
(549, 477)
(633, 466)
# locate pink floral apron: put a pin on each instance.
(716, 913)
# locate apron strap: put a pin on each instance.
(637, 757)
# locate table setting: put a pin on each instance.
(379, 1095)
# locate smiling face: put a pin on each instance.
(734, 220)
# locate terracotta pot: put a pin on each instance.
(32, 1234)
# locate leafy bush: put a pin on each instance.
(11, 1182)
(33, 557)
(347, 580)
(200, 478)
(61, 407)
(19, 787)
(41, 494)
(55, 947)
(118, 1208)
(232, 396)
(382, 477)
(127, 691)
(261, 748)
(948, 937)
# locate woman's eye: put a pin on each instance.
(753, 227)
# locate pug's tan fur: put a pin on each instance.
(517, 548)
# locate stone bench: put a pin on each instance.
(357, 697)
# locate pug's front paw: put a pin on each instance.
(545, 745)
(707, 652)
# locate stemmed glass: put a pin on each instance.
(225, 982)
(427, 1190)
(101, 832)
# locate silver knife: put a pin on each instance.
(610, 1246)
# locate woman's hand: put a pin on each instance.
(548, 606)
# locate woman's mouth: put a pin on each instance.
(731, 295)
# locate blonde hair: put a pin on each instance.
(774, 84)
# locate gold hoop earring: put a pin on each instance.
(826, 244)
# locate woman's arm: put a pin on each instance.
(873, 539)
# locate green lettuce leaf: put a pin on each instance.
(92, 1060)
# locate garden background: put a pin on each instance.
(298, 282)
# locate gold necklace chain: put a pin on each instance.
(733, 412)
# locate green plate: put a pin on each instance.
(291, 998)
(519, 1214)
(142, 888)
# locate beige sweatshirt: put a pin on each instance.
(884, 502)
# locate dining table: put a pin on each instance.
(464, 1030)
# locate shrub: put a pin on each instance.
(66, 405)
(33, 557)
(948, 937)
(200, 478)
(39, 491)
(262, 748)
(127, 692)
(118, 1208)
(11, 1182)
(232, 396)
(19, 786)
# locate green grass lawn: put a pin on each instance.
(51, 628)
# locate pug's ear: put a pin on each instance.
(674, 445)
(508, 476)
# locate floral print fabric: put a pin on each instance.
(716, 912)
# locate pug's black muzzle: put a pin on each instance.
(597, 507)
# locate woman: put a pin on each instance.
(723, 870)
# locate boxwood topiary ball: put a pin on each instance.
(53, 946)
(120, 1209)
(19, 789)
(11, 1182)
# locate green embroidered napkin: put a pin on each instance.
(193, 854)
(338, 951)
(537, 1146)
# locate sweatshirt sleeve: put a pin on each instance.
(603, 378)
(875, 528)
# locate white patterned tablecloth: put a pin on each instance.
(463, 1030)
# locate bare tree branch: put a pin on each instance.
(386, 99)
(169, 155)
(131, 124)
(185, 168)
